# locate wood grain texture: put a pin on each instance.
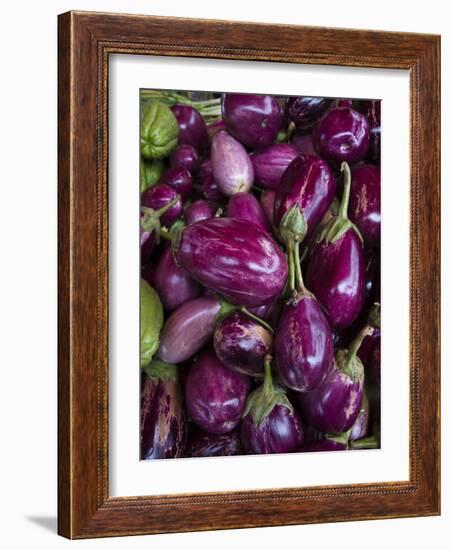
(85, 42)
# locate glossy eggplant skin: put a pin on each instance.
(241, 344)
(158, 197)
(234, 258)
(199, 210)
(342, 134)
(203, 444)
(360, 427)
(173, 284)
(179, 178)
(215, 395)
(192, 128)
(305, 111)
(163, 421)
(270, 163)
(185, 156)
(364, 207)
(303, 344)
(372, 110)
(245, 206)
(254, 120)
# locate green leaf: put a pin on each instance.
(159, 370)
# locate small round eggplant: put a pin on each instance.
(203, 444)
(199, 210)
(305, 111)
(270, 163)
(231, 165)
(245, 206)
(179, 178)
(162, 414)
(270, 424)
(242, 344)
(235, 258)
(336, 270)
(360, 427)
(267, 201)
(364, 209)
(173, 284)
(185, 156)
(215, 395)
(192, 128)
(158, 197)
(255, 120)
(342, 135)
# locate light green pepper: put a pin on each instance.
(151, 321)
(159, 131)
(150, 173)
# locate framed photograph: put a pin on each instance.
(249, 260)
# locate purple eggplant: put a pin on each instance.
(369, 342)
(179, 178)
(374, 364)
(307, 189)
(199, 210)
(342, 135)
(305, 111)
(190, 327)
(241, 343)
(147, 243)
(335, 404)
(267, 201)
(270, 163)
(360, 427)
(372, 110)
(303, 144)
(235, 258)
(203, 444)
(254, 120)
(173, 284)
(364, 208)
(185, 156)
(245, 206)
(162, 414)
(270, 424)
(231, 165)
(215, 127)
(192, 128)
(159, 197)
(208, 184)
(336, 270)
(327, 443)
(215, 395)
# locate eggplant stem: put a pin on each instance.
(256, 318)
(165, 208)
(268, 382)
(291, 266)
(356, 343)
(299, 276)
(343, 208)
(365, 443)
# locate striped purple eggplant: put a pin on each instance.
(364, 208)
(245, 206)
(270, 163)
(203, 444)
(163, 424)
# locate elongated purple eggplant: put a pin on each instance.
(163, 421)
(185, 156)
(336, 270)
(360, 427)
(364, 208)
(235, 258)
(190, 327)
(270, 424)
(342, 135)
(199, 210)
(192, 128)
(305, 111)
(267, 201)
(179, 178)
(245, 206)
(215, 395)
(231, 165)
(242, 343)
(270, 163)
(255, 120)
(173, 284)
(203, 444)
(159, 197)
(334, 405)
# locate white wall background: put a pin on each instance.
(28, 267)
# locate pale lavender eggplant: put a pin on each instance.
(267, 201)
(234, 258)
(254, 120)
(270, 163)
(364, 208)
(203, 444)
(185, 156)
(241, 344)
(199, 210)
(173, 284)
(215, 395)
(360, 427)
(305, 111)
(245, 206)
(158, 197)
(231, 165)
(342, 135)
(192, 128)
(163, 427)
(179, 178)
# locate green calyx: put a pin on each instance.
(159, 130)
(348, 361)
(150, 173)
(339, 438)
(150, 220)
(293, 226)
(151, 322)
(226, 309)
(159, 370)
(263, 400)
(370, 442)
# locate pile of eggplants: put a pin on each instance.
(260, 268)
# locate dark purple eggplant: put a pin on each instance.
(185, 156)
(208, 184)
(192, 128)
(159, 197)
(342, 135)
(199, 210)
(173, 284)
(231, 165)
(241, 343)
(215, 395)
(270, 163)
(203, 444)
(307, 189)
(235, 258)
(270, 424)
(245, 206)
(267, 201)
(162, 414)
(360, 427)
(336, 270)
(147, 243)
(254, 120)
(303, 144)
(335, 404)
(179, 178)
(364, 208)
(305, 111)
(372, 109)
(190, 327)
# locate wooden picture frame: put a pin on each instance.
(85, 42)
